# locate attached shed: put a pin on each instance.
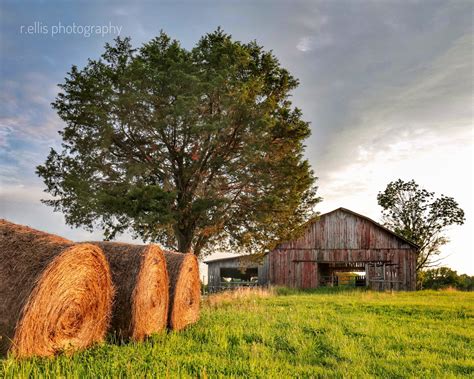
(240, 271)
(342, 243)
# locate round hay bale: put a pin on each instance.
(56, 296)
(141, 289)
(185, 289)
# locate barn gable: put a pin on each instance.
(345, 229)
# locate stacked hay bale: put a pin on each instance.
(56, 296)
(141, 281)
(185, 289)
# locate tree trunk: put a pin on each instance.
(184, 238)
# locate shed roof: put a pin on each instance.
(221, 259)
(229, 259)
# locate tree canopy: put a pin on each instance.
(190, 148)
(444, 277)
(417, 215)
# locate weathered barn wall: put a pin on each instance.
(213, 273)
(343, 237)
(299, 267)
(263, 271)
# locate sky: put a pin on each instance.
(386, 85)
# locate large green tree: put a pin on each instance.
(190, 148)
(417, 215)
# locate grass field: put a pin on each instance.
(290, 334)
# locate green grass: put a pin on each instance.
(321, 334)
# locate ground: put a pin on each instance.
(293, 334)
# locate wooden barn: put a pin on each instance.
(339, 248)
(341, 242)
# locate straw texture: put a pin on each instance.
(185, 289)
(56, 296)
(141, 281)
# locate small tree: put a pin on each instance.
(415, 213)
(190, 148)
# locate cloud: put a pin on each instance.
(18, 192)
(304, 44)
(25, 143)
(28, 125)
(315, 23)
(436, 98)
(310, 43)
(25, 110)
(32, 125)
(120, 11)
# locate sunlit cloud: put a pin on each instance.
(304, 44)
(438, 100)
(307, 43)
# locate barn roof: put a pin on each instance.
(373, 222)
(322, 215)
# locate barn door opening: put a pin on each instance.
(231, 277)
(342, 275)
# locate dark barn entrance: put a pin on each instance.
(342, 274)
(235, 274)
(233, 277)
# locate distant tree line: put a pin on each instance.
(444, 277)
